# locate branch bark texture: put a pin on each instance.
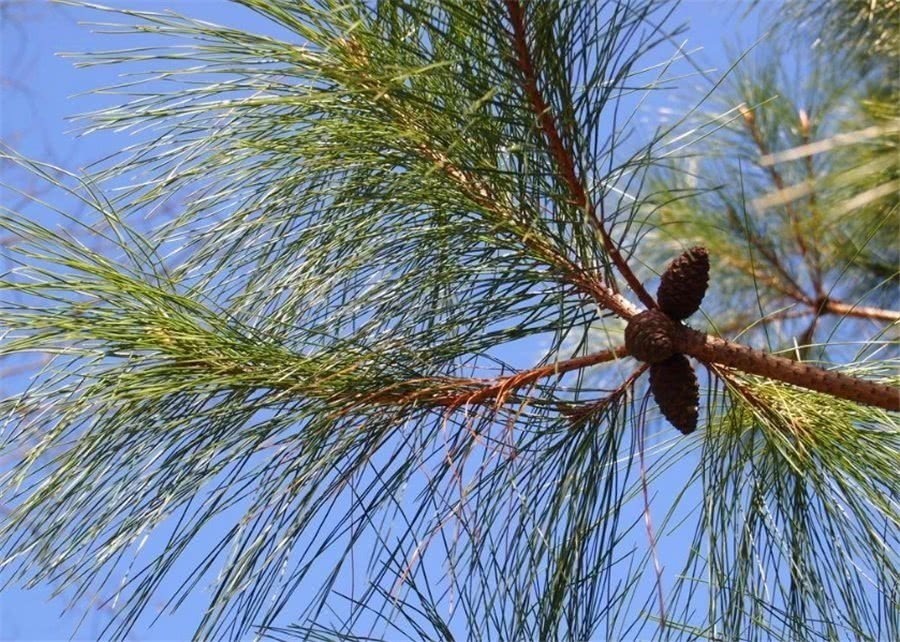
(711, 349)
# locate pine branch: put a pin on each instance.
(560, 152)
(482, 195)
(831, 306)
(711, 349)
(823, 307)
(452, 393)
(653, 337)
(775, 175)
(815, 255)
(384, 209)
(786, 283)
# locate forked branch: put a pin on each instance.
(452, 393)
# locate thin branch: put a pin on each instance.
(864, 312)
(778, 181)
(817, 147)
(745, 323)
(790, 287)
(561, 154)
(455, 392)
(481, 194)
(806, 339)
(821, 307)
(577, 414)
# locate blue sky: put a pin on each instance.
(41, 90)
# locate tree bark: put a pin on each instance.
(711, 349)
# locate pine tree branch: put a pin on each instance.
(743, 323)
(711, 349)
(790, 287)
(777, 179)
(481, 194)
(831, 306)
(561, 154)
(578, 414)
(455, 392)
(826, 306)
(279, 384)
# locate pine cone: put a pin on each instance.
(649, 336)
(683, 284)
(674, 386)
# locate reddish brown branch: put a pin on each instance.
(480, 193)
(499, 389)
(452, 393)
(578, 414)
(714, 350)
(455, 392)
(561, 154)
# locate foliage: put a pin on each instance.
(319, 359)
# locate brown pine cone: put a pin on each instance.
(649, 336)
(684, 283)
(674, 386)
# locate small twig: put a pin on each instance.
(806, 339)
(481, 194)
(861, 311)
(578, 414)
(818, 147)
(745, 323)
(790, 287)
(829, 306)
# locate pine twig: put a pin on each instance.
(563, 156)
(452, 393)
(481, 194)
(830, 306)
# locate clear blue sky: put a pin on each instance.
(39, 93)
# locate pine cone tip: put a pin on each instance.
(676, 391)
(683, 284)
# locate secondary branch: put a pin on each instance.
(560, 153)
(452, 393)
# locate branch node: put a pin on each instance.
(650, 336)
